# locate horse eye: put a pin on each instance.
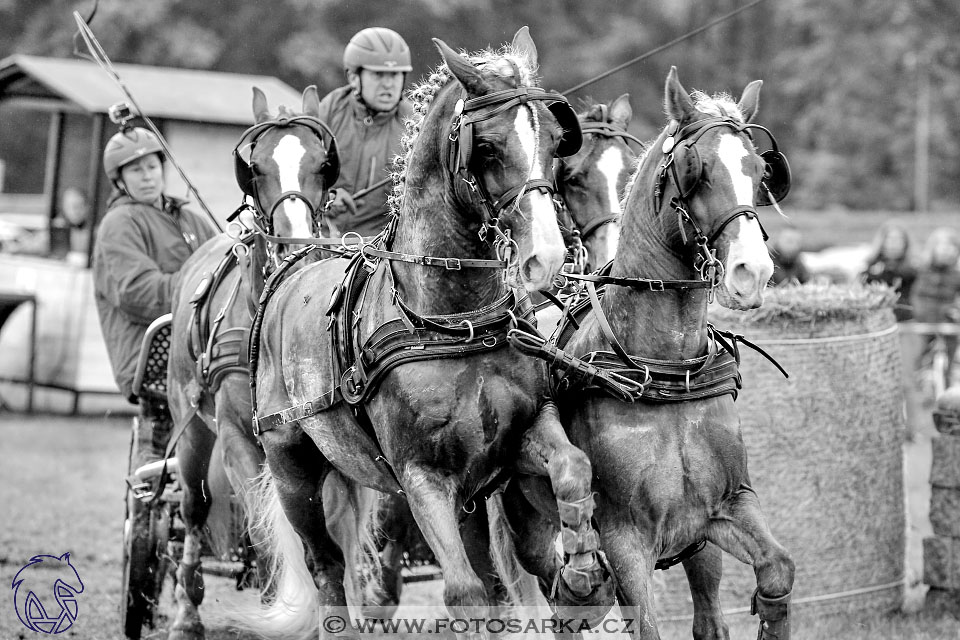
(767, 171)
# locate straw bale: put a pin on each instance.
(824, 450)
(941, 562)
(945, 511)
(940, 602)
(945, 471)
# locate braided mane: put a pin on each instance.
(423, 94)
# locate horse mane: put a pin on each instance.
(719, 105)
(423, 94)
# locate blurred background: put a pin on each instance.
(865, 97)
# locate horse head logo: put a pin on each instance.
(36, 580)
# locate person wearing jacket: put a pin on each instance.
(936, 291)
(367, 117)
(889, 263)
(141, 243)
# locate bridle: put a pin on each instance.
(246, 174)
(468, 112)
(579, 235)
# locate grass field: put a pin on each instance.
(61, 489)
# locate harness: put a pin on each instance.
(218, 352)
(629, 377)
(361, 363)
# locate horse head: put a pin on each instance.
(286, 163)
(504, 135)
(712, 176)
(592, 180)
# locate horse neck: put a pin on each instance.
(668, 325)
(433, 222)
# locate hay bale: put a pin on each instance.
(824, 450)
(945, 471)
(941, 562)
(945, 511)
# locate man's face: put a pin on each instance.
(380, 90)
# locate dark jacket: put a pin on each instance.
(898, 274)
(367, 143)
(789, 271)
(136, 259)
(935, 291)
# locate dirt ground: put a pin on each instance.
(61, 490)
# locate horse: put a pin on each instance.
(591, 182)
(396, 375)
(648, 385)
(285, 163)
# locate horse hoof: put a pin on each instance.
(186, 632)
(590, 609)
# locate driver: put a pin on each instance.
(143, 240)
(367, 117)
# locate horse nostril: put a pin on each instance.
(743, 278)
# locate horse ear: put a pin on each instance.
(65, 557)
(750, 100)
(260, 113)
(676, 100)
(467, 74)
(311, 101)
(620, 111)
(523, 45)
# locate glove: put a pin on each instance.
(342, 204)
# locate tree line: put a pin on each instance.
(849, 88)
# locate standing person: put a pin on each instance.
(788, 266)
(889, 263)
(143, 240)
(367, 117)
(937, 287)
(72, 223)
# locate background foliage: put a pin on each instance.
(841, 79)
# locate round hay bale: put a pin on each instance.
(824, 450)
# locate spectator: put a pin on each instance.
(889, 263)
(935, 291)
(69, 230)
(788, 266)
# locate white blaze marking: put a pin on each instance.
(748, 247)
(543, 226)
(610, 165)
(288, 154)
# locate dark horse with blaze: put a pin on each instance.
(393, 372)
(646, 385)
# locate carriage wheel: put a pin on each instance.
(145, 532)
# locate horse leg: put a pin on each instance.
(299, 470)
(475, 532)
(381, 598)
(703, 575)
(632, 560)
(583, 582)
(741, 530)
(242, 456)
(193, 455)
(433, 500)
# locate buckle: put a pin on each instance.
(453, 264)
(656, 285)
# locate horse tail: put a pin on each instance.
(522, 589)
(293, 610)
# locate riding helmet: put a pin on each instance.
(129, 145)
(377, 49)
